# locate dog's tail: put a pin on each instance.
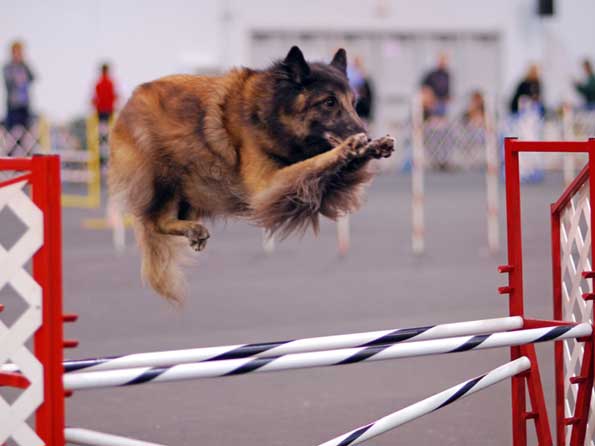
(130, 192)
(162, 259)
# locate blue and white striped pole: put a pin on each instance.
(230, 367)
(430, 404)
(367, 339)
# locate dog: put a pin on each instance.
(277, 147)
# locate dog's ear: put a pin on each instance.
(296, 65)
(340, 60)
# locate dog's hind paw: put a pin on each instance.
(198, 236)
(381, 147)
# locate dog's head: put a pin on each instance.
(313, 106)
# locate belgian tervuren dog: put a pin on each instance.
(277, 147)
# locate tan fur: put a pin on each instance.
(190, 139)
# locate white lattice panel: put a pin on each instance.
(576, 258)
(19, 141)
(454, 143)
(583, 124)
(13, 339)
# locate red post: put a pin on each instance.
(583, 398)
(583, 403)
(515, 281)
(47, 271)
(535, 388)
(558, 345)
(513, 221)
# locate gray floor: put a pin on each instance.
(237, 294)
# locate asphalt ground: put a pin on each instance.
(237, 294)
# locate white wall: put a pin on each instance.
(66, 39)
(557, 42)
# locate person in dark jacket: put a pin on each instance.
(17, 79)
(362, 85)
(530, 87)
(438, 82)
(587, 88)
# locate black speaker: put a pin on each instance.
(545, 7)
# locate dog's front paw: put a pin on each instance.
(198, 236)
(355, 146)
(381, 147)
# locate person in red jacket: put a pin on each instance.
(105, 95)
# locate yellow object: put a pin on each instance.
(45, 144)
(92, 199)
(103, 223)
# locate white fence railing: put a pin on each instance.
(453, 144)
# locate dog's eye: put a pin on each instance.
(330, 102)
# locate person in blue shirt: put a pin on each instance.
(17, 79)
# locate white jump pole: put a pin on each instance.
(431, 404)
(417, 176)
(88, 437)
(492, 183)
(115, 218)
(167, 358)
(343, 238)
(230, 367)
(268, 242)
(343, 235)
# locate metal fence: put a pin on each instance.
(78, 144)
(20, 141)
(453, 144)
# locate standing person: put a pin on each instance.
(362, 85)
(17, 79)
(529, 88)
(105, 95)
(475, 110)
(438, 82)
(527, 113)
(587, 87)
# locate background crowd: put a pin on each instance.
(435, 91)
(19, 79)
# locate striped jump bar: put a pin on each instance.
(230, 367)
(366, 339)
(353, 340)
(438, 401)
(431, 404)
